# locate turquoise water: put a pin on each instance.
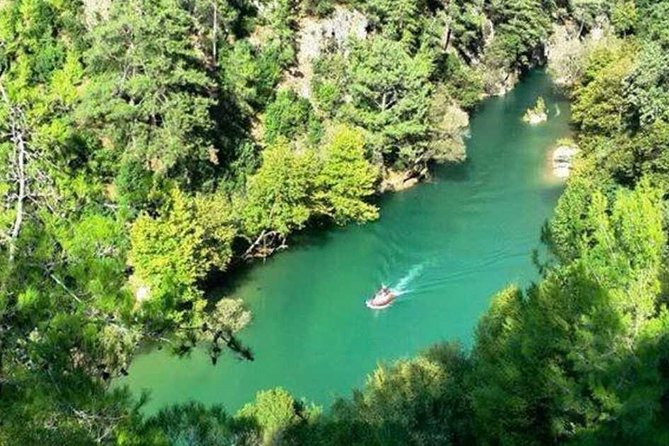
(447, 245)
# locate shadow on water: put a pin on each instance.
(552, 194)
(456, 172)
(220, 284)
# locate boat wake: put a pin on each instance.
(402, 285)
(557, 110)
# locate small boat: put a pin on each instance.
(382, 299)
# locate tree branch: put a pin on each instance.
(18, 140)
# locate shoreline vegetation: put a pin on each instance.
(147, 144)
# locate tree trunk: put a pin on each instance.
(18, 140)
(448, 38)
(265, 245)
(214, 35)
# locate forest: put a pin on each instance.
(151, 146)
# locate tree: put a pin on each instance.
(63, 312)
(194, 424)
(290, 116)
(521, 26)
(646, 97)
(586, 12)
(398, 20)
(38, 86)
(548, 360)
(278, 198)
(150, 96)
(465, 23)
(346, 179)
(624, 16)
(600, 102)
(273, 411)
(253, 70)
(652, 26)
(642, 415)
(385, 91)
(498, 386)
(418, 401)
(459, 83)
(171, 253)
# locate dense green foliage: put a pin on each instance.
(388, 97)
(148, 146)
(291, 116)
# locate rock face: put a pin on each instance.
(449, 134)
(566, 51)
(537, 114)
(448, 124)
(96, 11)
(394, 180)
(317, 34)
(142, 293)
(499, 81)
(534, 117)
(563, 158)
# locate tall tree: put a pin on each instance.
(278, 198)
(548, 360)
(385, 91)
(151, 93)
(346, 178)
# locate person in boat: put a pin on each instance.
(384, 293)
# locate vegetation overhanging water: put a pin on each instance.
(447, 245)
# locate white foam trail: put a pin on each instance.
(401, 286)
(557, 110)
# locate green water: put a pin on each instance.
(448, 245)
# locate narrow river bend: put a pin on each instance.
(448, 244)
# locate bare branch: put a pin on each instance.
(18, 139)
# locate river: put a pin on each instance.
(447, 245)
